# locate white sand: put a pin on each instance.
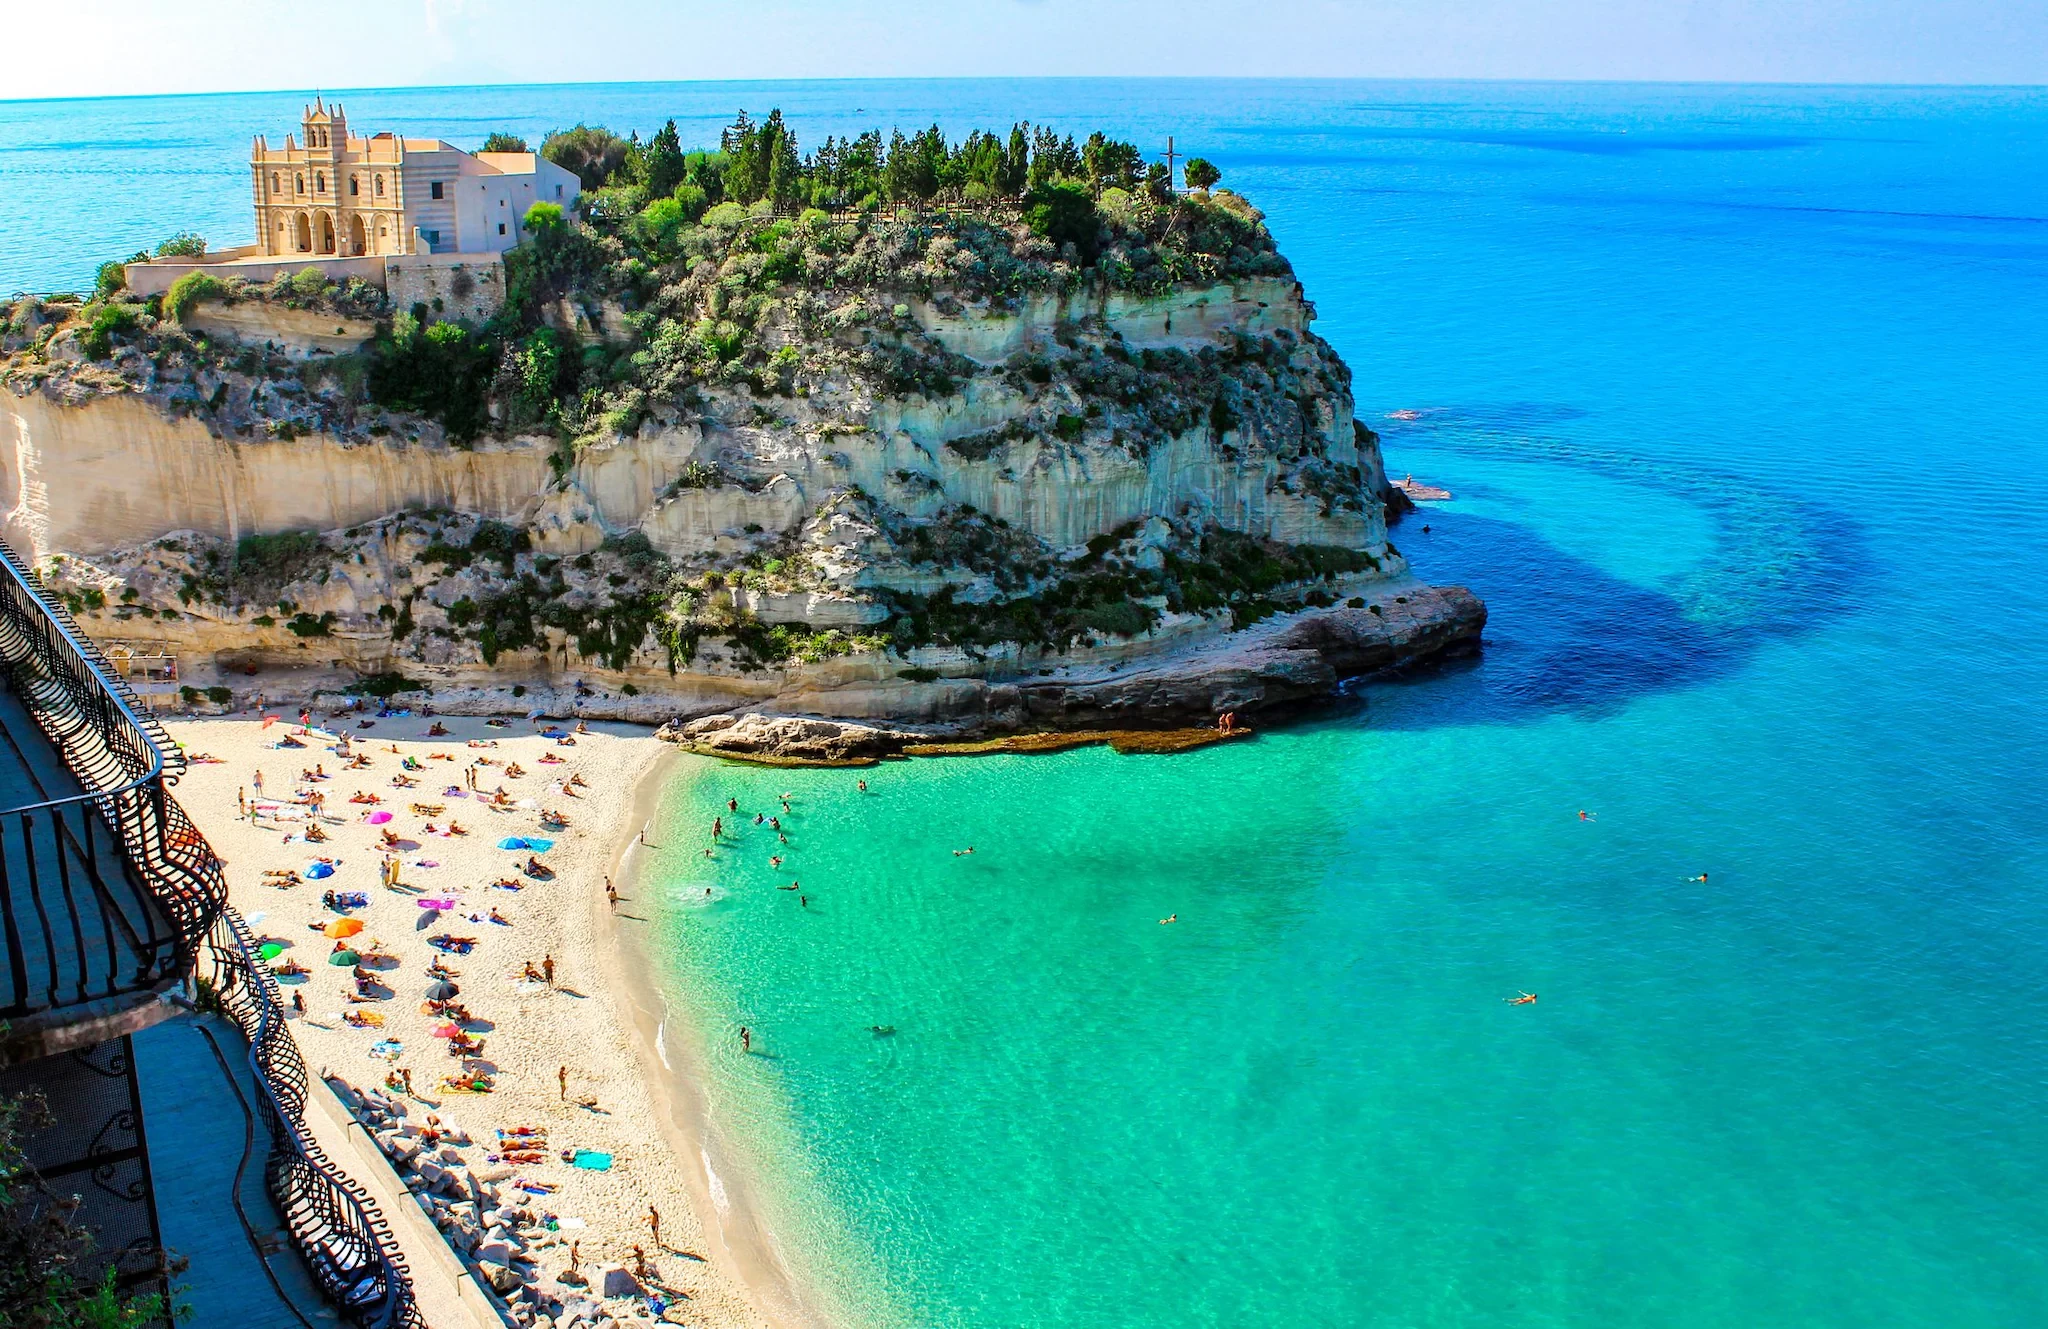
(584, 1023)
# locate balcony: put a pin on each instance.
(106, 888)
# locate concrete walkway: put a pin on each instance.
(203, 1125)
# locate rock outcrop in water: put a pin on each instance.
(932, 473)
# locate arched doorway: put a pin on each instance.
(305, 235)
(326, 233)
(358, 239)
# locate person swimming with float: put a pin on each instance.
(1526, 999)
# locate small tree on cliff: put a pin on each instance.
(1200, 174)
(500, 141)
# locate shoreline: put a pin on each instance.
(720, 1273)
(721, 1190)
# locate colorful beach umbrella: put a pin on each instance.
(344, 959)
(378, 818)
(446, 1029)
(269, 950)
(512, 842)
(319, 870)
(343, 927)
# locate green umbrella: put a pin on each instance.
(270, 950)
(342, 958)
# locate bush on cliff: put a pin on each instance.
(188, 291)
(443, 371)
(185, 244)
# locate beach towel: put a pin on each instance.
(591, 1161)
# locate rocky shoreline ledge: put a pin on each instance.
(1289, 659)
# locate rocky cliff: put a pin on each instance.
(858, 470)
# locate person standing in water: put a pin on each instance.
(746, 1039)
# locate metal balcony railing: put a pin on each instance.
(338, 1229)
(106, 887)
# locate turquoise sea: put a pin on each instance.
(1743, 393)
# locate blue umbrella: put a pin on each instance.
(319, 870)
(512, 842)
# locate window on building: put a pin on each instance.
(558, 191)
(319, 182)
(501, 228)
(273, 182)
(435, 189)
(299, 182)
(433, 237)
(355, 185)
(380, 186)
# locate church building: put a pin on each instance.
(328, 194)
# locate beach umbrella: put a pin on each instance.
(446, 1029)
(343, 927)
(512, 842)
(378, 818)
(442, 990)
(269, 950)
(319, 870)
(344, 959)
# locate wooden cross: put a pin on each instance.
(1169, 163)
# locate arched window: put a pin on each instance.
(355, 185)
(380, 186)
(319, 182)
(273, 182)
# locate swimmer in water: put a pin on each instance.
(1586, 816)
(1171, 918)
(732, 805)
(758, 819)
(1702, 877)
(746, 1039)
(793, 886)
(1526, 999)
(863, 786)
(775, 861)
(961, 853)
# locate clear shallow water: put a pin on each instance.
(1744, 410)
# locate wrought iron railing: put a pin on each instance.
(107, 891)
(336, 1227)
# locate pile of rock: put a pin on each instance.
(501, 1237)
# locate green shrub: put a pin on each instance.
(185, 244)
(1199, 173)
(97, 341)
(189, 290)
(219, 696)
(275, 558)
(1064, 213)
(443, 371)
(308, 282)
(382, 685)
(111, 279)
(629, 690)
(305, 625)
(500, 141)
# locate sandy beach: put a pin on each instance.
(592, 1020)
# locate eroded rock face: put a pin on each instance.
(1062, 513)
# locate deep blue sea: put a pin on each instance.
(1743, 396)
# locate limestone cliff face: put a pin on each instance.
(1106, 481)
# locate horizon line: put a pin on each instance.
(1049, 78)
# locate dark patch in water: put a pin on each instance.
(1563, 635)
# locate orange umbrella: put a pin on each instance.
(343, 927)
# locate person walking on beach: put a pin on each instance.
(256, 781)
(547, 969)
(654, 1222)
(562, 1079)
(241, 803)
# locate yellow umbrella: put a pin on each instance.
(344, 927)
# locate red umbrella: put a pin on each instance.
(446, 1029)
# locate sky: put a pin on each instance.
(110, 47)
